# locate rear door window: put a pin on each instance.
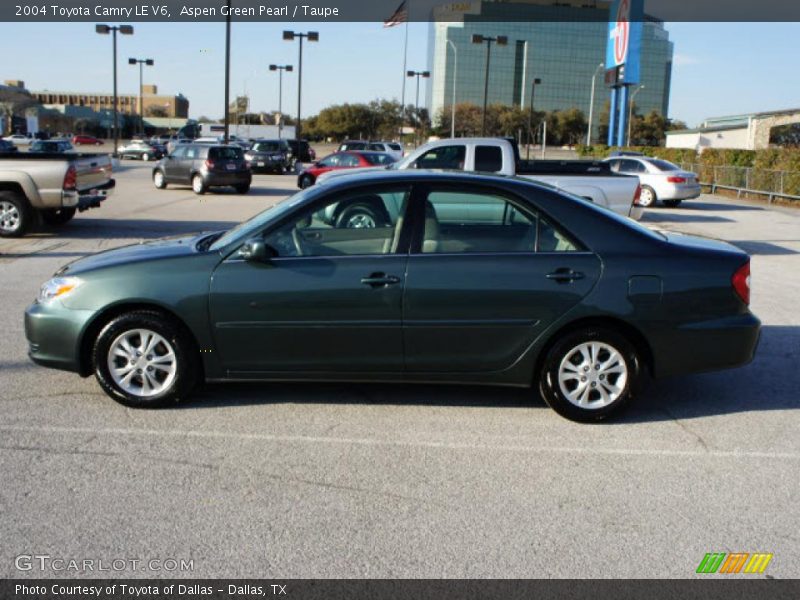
(488, 159)
(443, 157)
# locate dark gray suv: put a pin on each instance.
(204, 166)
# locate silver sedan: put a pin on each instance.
(660, 179)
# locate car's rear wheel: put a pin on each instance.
(198, 185)
(647, 197)
(15, 214)
(306, 181)
(144, 360)
(58, 216)
(590, 374)
(145, 157)
(159, 180)
(672, 203)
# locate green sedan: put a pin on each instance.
(468, 279)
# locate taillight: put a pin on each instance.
(676, 179)
(637, 196)
(741, 282)
(71, 179)
(209, 164)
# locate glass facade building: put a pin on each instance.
(560, 43)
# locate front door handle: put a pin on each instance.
(565, 275)
(376, 280)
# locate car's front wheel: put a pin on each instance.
(159, 180)
(647, 196)
(144, 360)
(145, 157)
(590, 374)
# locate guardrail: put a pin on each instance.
(748, 180)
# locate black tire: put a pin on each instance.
(185, 352)
(566, 347)
(15, 215)
(648, 197)
(159, 179)
(198, 185)
(306, 181)
(672, 203)
(361, 216)
(243, 189)
(58, 216)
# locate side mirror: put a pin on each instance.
(255, 250)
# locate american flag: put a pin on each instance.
(398, 16)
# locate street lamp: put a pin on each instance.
(500, 40)
(124, 30)
(280, 69)
(288, 36)
(534, 83)
(455, 74)
(591, 104)
(630, 111)
(418, 74)
(141, 62)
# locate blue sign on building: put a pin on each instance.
(625, 40)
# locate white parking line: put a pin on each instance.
(262, 437)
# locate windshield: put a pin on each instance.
(267, 147)
(663, 165)
(247, 228)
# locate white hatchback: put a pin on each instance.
(660, 179)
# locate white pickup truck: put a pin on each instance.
(592, 180)
(50, 187)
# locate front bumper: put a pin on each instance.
(53, 333)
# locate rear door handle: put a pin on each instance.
(565, 275)
(376, 280)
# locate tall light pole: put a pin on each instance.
(534, 83)
(455, 74)
(591, 104)
(124, 30)
(141, 62)
(227, 73)
(418, 74)
(630, 111)
(288, 36)
(500, 40)
(280, 69)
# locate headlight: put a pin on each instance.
(248, 156)
(57, 287)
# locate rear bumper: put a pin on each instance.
(213, 178)
(708, 346)
(86, 199)
(680, 193)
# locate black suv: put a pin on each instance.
(204, 166)
(271, 156)
(301, 151)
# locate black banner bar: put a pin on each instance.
(713, 588)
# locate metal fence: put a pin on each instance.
(748, 180)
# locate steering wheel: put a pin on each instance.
(298, 241)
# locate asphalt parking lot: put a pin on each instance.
(329, 480)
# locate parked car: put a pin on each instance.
(393, 148)
(7, 147)
(660, 179)
(19, 140)
(86, 140)
(53, 186)
(50, 146)
(272, 156)
(204, 166)
(546, 290)
(343, 160)
(302, 151)
(592, 180)
(140, 150)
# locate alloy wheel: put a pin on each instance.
(592, 375)
(10, 220)
(142, 363)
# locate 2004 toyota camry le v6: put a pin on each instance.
(462, 278)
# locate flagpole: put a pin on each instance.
(403, 94)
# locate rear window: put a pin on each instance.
(663, 165)
(396, 147)
(378, 159)
(225, 153)
(267, 147)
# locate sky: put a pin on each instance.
(720, 68)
